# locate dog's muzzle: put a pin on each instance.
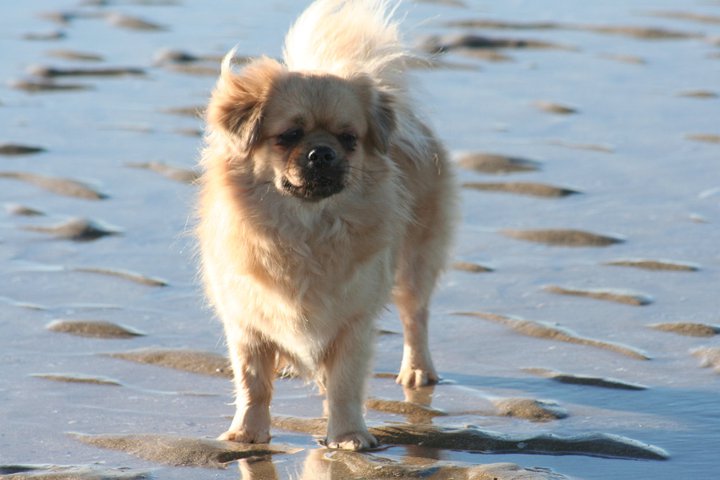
(321, 172)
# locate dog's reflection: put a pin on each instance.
(324, 464)
(258, 468)
(319, 465)
(419, 396)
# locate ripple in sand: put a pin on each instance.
(701, 94)
(471, 267)
(63, 18)
(61, 186)
(54, 72)
(496, 164)
(20, 304)
(610, 295)
(563, 237)
(422, 62)
(181, 451)
(191, 111)
(205, 363)
(642, 33)
(343, 464)
(704, 137)
(584, 380)
(414, 411)
(78, 378)
(501, 25)
(133, 23)
(77, 229)
(554, 107)
(16, 149)
(124, 274)
(45, 36)
(529, 409)
(553, 332)
(23, 210)
(709, 357)
(522, 188)
(70, 472)
(189, 63)
(75, 55)
(44, 85)
(645, 33)
(179, 174)
(583, 146)
(194, 69)
(624, 58)
(664, 265)
(473, 439)
(486, 55)
(188, 132)
(688, 329)
(93, 329)
(168, 55)
(440, 44)
(690, 16)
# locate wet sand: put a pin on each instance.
(586, 264)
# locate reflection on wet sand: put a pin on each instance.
(322, 464)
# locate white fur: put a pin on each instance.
(351, 37)
(307, 280)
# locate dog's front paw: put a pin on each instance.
(246, 436)
(361, 440)
(417, 377)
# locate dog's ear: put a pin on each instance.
(380, 113)
(237, 103)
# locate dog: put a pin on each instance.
(323, 195)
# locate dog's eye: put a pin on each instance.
(348, 140)
(290, 137)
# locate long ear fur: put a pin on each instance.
(236, 106)
(380, 111)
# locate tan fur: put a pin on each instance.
(306, 279)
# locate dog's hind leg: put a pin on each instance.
(421, 259)
(416, 369)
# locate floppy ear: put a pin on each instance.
(237, 103)
(380, 113)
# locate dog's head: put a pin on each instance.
(310, 135)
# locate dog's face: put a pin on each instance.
(311, 136)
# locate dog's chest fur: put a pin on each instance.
(301, 273)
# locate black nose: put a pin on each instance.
(320, 157)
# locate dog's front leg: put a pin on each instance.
(253, 363)
(346, 369)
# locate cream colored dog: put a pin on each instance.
(322, 194)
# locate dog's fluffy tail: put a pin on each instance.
(351, 37)
(348, 37)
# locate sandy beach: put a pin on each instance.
(576, 330)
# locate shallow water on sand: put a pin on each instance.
(625, 116)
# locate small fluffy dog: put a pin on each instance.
(323, 193)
